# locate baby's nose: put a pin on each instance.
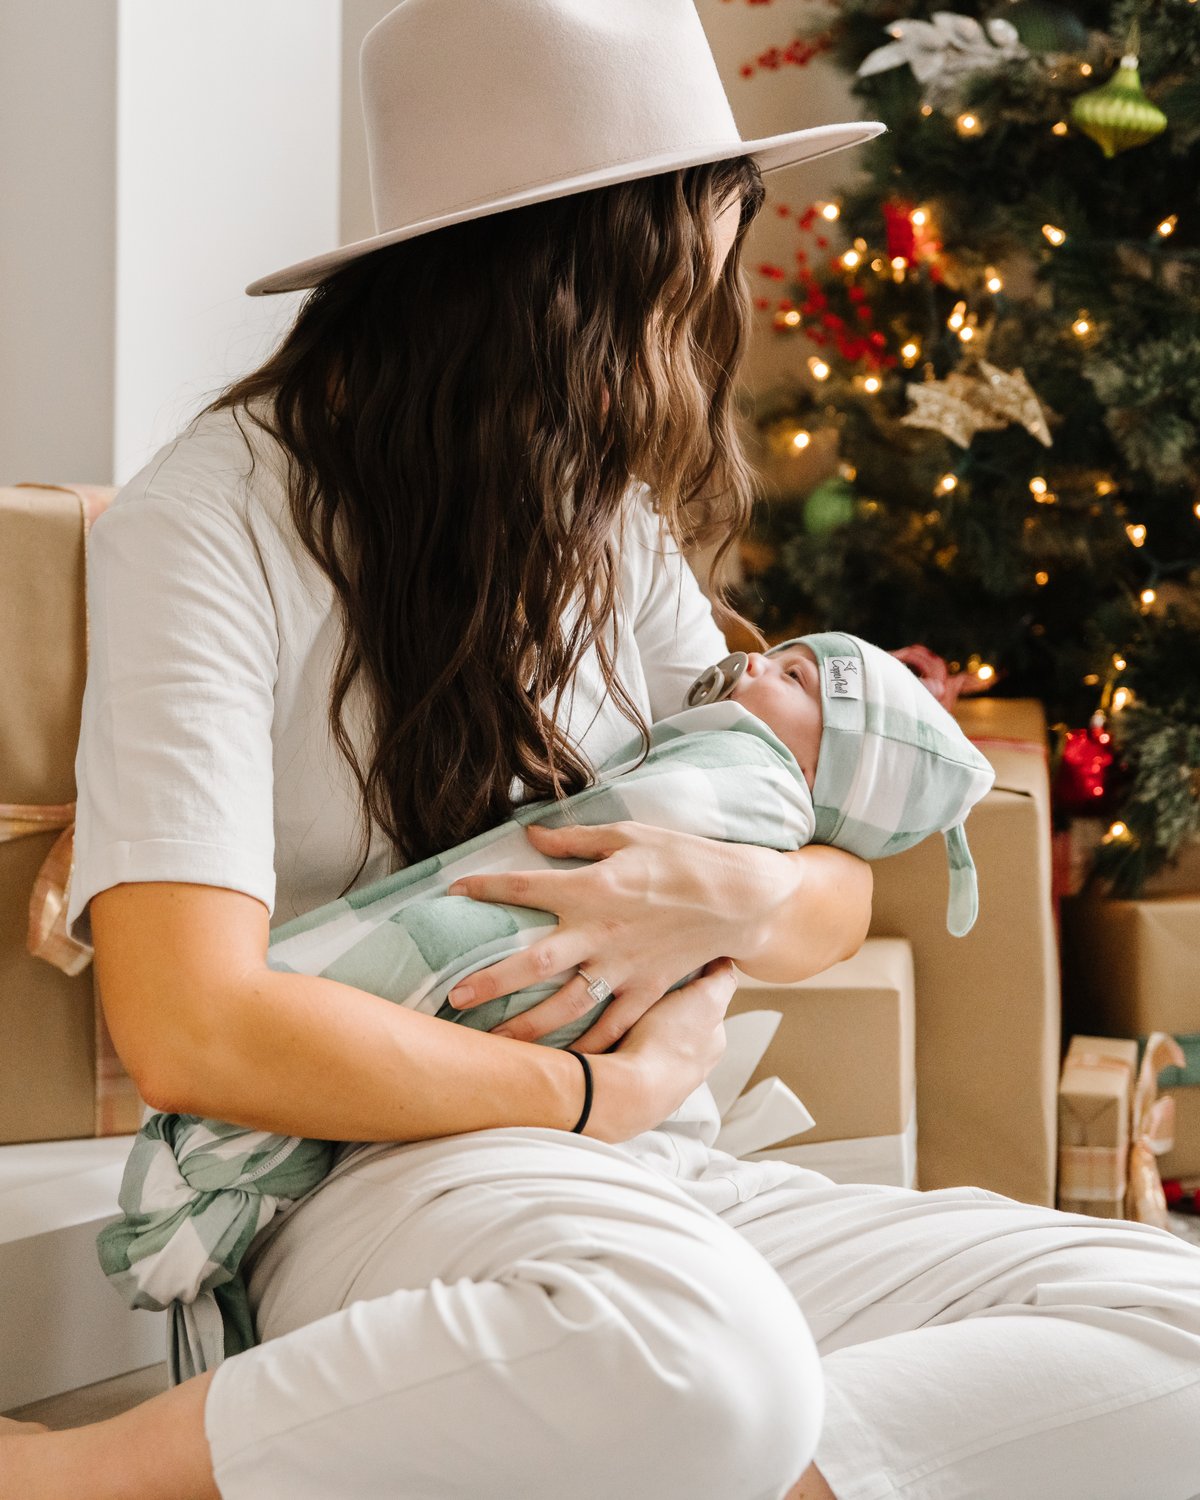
(756, 665)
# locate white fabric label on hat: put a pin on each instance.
(843, 677)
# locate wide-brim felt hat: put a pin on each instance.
(472, 107)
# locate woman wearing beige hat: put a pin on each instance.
(441, 587)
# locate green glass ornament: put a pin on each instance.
(1118, 115)
(829, 506)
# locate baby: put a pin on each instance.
(886, 764)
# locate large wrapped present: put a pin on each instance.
(60, 1077)
(1095, 1106)
(988, 1013)
(845, 1046)
(1133, 967)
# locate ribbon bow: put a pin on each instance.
(47, 935)
(1153, 1131)
(769, 1112)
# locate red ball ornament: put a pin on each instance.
(1083, 779)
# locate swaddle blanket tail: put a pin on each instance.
(195, 1192)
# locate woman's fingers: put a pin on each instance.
(615, 1022)
(571, 1002)
(514, 887)
(533, 965)
(580, 841)
(545, 888)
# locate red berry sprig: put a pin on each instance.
(797, 54)
(856, 340)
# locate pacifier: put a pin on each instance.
(716, 682)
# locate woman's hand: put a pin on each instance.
(663, 1057)
(654, 906)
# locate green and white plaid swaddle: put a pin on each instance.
(196, 1191)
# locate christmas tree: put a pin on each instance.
(1001, 328)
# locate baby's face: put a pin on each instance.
(784, 691)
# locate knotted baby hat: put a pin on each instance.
(894, 766)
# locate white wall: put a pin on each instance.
(132, 224)
(228, 129)
(788, 98)
(58, 238)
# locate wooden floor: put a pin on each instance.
(93, 1403)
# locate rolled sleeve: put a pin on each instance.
(174, 766)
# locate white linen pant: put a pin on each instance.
(525, 1314)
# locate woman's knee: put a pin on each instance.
(709, 1380)
(760, 1393)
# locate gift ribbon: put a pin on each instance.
(47, 935)
(1092, 1173)
(1099, 1061)
(1153, 1131)
(1188, 1076)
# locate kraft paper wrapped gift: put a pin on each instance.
(60, 1077)
(1095, 1103)
(1133, 967)
(988, 1012)
(845, 1046)
(61, 1327)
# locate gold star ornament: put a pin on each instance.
(962, 405)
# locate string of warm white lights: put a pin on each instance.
(965, 321)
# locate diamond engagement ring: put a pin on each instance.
(599, 989)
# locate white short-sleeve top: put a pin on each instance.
(205, 753)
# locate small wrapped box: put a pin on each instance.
(1095, 1104)
(845, 1045)
(60, 1077)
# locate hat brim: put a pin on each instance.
(770, 152)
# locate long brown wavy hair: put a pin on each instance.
(455, 469)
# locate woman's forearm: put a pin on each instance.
(804, 910)
(301, 1055)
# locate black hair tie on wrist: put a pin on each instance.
(587, 1091)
